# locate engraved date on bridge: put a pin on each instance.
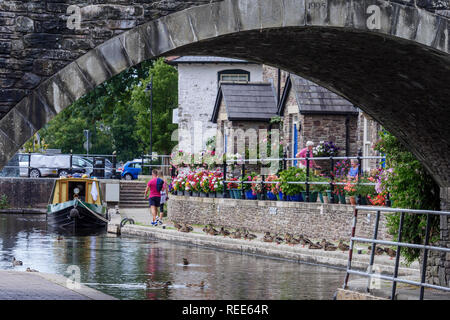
(317, 5)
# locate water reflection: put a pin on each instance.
(123, 266)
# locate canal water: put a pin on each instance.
(122, 266)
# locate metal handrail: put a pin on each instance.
(425, 247)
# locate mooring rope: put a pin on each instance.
(96, 215)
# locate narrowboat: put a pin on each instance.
(76, 203)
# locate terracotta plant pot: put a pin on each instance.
(353, 200)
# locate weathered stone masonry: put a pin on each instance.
(398, 74)
(315, 220)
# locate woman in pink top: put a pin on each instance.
(154, 199)
(304, 152)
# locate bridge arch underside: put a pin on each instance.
(403, 85)
(398, 74)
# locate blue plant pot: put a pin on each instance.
(297, 198)
(271, 196)
(249, 195)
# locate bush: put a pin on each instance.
(4, 203)
(409, 186)
(291, 175)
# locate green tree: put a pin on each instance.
(165, 99)
(105, 111)
(410, 186)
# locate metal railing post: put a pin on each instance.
(397, 255)
(264, 194)
(388, 200)
(350, 251)
(225, 189)
(242, 180)
(425, 257)
(29, 163)
(71, 162)
(372, 253)
(284, 161)
(114, 164)
(358, 196)
(332, 179)
(307, 175)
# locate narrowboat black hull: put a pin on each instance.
(76, 215)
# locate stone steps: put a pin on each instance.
(132, 194)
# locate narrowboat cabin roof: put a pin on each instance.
(67, 189)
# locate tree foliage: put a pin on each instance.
(116, 121)
(409, 186)
(165, 99)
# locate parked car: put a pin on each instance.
(130, 170)
(42, 165)
(91, 168)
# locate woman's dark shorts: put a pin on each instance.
(154, 201)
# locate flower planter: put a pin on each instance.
(203, 195)
(336, 197)
(312, 196)
(352, 200)
(211, 195)
(219, 194)
(342, 199)
(271, 196)
(298, 198)
(280, 196)
(195, 194)
(249, 195)
(180, 193)
(364, 200)
(321, 197)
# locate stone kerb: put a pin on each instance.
(315, 220)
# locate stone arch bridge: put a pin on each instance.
(390, 58)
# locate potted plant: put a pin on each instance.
(204, 186)
(216, 184)
(319, 188)
(248, 186)
(233, 187)
(256, 187)
(365, 190)
(293, 191)
(351, 190)
(272, 188)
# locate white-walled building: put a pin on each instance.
(198, 83)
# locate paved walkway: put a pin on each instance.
(16, 285)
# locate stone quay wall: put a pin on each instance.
(27, 193)
(314, 220)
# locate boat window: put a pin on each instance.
(77, 188)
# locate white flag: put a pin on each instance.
(94, 192)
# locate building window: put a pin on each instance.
(236, 75)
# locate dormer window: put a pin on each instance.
(236, 75)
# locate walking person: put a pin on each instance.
(154, 198)
(164, 197)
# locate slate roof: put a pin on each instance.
(312, 98)
(246, 101)
(205, 59)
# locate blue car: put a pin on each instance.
(131, 170)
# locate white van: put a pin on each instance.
(42, 165)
